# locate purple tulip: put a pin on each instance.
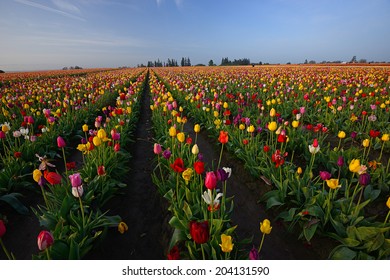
(364, 179)
(325, 175)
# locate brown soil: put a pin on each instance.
(145, 211)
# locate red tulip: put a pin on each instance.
(199, 231)
(101, 171)
(60, 142)
(70, 165)
(223, 137)
(117, 147)
(17, 154)
(52, 177)
(3, 229)
(211, 180)
(178, 165)
(199, 167)
(174, 254)
(45, 240)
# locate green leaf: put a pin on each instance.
(187, 210)
(177, 223)
(12, 200)
(366, 233)
(289, 215)
(74, 251)
(342, 253)
(310, 230)
(177, 236)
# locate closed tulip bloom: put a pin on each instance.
(354, 165)
(181, 137)
(167, 154)
(265, 226)
(299, 170)
(75, 180)
(157, 149)
(102, 134)
(45, 239)
(364, 179)
(85, 128)
(199, 231)
(333, 183)
(122, 227)
(61, 142)
(388, 203)
(196, 128)
(253, 254)
(37, 174)
(226, 243)
(199, 167)
(366, 143)
(195, 149)
(101, 170)
(325, 175)
(3, 229)
(295, 124)
(210, 180)
(250, 129)
(172, 131)
(341, 134)
(97, 141)
(340, 161)
(117, 147)
(78, 191)
(178, 165)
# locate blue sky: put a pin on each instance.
(51, 34)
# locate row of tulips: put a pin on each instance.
(290, 127)
(196, 193)
(72, 215)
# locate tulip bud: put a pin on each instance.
(60, 142)
(45, 240)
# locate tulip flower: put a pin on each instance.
(122, 227)
(272, 112)
(60, 142)
(167, 154)
(37, 174)
(85, 128)
(210, 180)
(117, 147)
(213, 204)
(265, 226)
(101, 170)
(199, 167)
(199, 231)
(364, 179)
(253, 254)
(45, 240)
(272, 126)
(333, 183)
(195, 150)
(366, 143)
(354, 165)
(52, 177)
(388, 213)
(325, 175)
(78, 191)
(340, 161)
(223, 137)
(3, 229)
(314, 148)
(75, 180)
(196, 128)
(172, 131)
(174, 253)
(157, 149)
(226, 243)
(187, 174)
(228, 171)
(178, 165)
(181, 137)
(341, 134)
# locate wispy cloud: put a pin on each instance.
(52, 10)
(179, 3)
(66, 6)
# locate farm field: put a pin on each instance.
(265, 162)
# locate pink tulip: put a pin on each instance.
(45, 240)
(157, 148)
(211, 180)
(61, 142)
(75, 180)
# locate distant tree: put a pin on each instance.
(288, 63)
(65, 68)
(78, 67)
(353, 60)
(182, 63)
(362, 60)
(260, 63)
(211, 62)
(312, 62)
(1, 71)
(305, 61)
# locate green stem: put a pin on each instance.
(203, 254)
(45, 198)
(47, 254)
(353, 196)
(387, 217)
(220, 156)
(261, 244)
(5, 250)
(63, 154)
(82, 210)
(357, 205)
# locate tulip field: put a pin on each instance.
(314, 138)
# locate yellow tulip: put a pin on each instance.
(341, 135)
(187, 174)
(333, 183)
(388, 203)
(241, 126)
(197, 128)
(225, 105)
(181, 137)
(385, 137)
(97, 141)
(37, 174)
(85, 127)
(366, 143)
(295, 124)
(172, 131)
(122, 227)
(216, 114)
(272, 112)
(101, 133)
(272, 126)
(354, 165)
(195, 149)
(299, 171)
(265, 226)
(251, 129)
(226, 244)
